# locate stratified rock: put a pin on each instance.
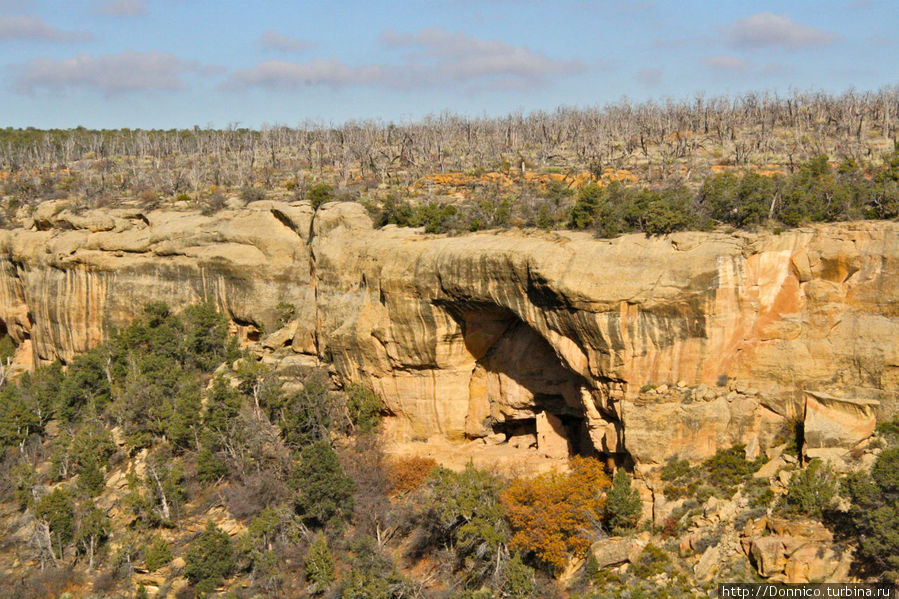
(462, 334)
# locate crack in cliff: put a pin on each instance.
(313, 283)
(283, 218)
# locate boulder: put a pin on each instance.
(811, 562)
(807, 529)
(771, 468)
(837, 422)
(616, 550)
(709, 563)
(768, 554)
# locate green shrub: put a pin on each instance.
(719, 476)
(157, 555)
(675, 469)
(364, 407)
(651, 562)
(728, 468)
(93, 530)
(7, 349)
(57, 509)
(623, 505)
(434, 217)
(85, 385)
(209, 559)
(257, 545)
(210, 467)
(373, 575)
(811, 491)
(19, 417)
(760, 494)
(462, 510)
(885, 471)
(205, 335)
(222, 405)
(874, 515)
(590, 199)
(91, 480)
(518, 580)
(310, 415)
(319, 194)
(319, 565)
(889, 430)
(323, 492)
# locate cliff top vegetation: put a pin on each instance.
(652, 167)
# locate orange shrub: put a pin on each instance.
(407, 474)
(552, 515)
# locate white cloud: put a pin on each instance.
(437, 57)
(727, 63)
(120, 8)
(767, 29)
(272, 40)
(109, 74)
(280, 74)
(32, 27)
(649, 77)
(428, 58)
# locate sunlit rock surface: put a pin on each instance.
(638, 348)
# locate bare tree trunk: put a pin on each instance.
(165, 504)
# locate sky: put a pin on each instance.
(184, 63)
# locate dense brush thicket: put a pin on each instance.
(686, 164)
(124, 457)
(816, 192)
(167, 451)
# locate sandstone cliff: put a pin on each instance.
(640, 348)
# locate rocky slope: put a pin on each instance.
(639, 348)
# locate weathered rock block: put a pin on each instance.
(837, 422)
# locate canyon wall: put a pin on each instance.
(639, 348)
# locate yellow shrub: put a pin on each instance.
(553, 514)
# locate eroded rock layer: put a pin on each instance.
(641, 348)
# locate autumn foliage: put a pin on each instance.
(409, 473)
(553, 515)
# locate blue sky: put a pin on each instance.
(180, 63)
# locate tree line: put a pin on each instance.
(674, 140)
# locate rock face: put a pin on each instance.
(472, 336)
(837, 422)
(794, 551)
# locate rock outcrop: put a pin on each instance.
(794, 551)
(476, 336)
